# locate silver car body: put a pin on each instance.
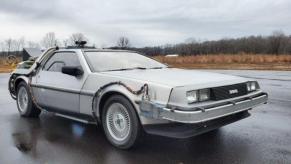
(167, 89)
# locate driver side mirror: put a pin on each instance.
(73, 71)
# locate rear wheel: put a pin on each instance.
(120, 122)
(25, 105)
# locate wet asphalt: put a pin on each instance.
(265, 137)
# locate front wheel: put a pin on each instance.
(25, 105)
(120, 122)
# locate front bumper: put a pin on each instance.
(180, 130)
(203, 113)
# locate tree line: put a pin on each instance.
(12, 46)
(277, 43)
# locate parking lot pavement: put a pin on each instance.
(265, 137)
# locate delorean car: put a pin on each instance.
(128, 93)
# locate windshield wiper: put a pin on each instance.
(124, 69)
(138, 68)
(157, 67)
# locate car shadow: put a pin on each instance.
(52, 138)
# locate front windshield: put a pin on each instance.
(114, 61)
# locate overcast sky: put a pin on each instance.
(145, 23)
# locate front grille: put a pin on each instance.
(230, 91)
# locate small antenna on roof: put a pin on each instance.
(80, 44)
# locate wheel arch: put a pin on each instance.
(105, 96)
(13, 83)
(20, 79)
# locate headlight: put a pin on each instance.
(252, 86)
(192, 96)
(204, 94)
(198, 95)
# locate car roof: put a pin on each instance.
(94, 50)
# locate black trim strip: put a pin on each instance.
(55, 88)
(63, 90)
(69, 113)
(87, 93)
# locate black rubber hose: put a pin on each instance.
(143, 89)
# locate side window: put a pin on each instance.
(60, 59)
(56, 66)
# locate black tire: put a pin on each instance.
(30, 110)
(135, 130)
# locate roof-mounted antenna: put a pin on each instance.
(80, 44)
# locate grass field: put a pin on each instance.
(5, 67)
(237, 61)
(222, 61)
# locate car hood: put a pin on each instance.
(178, 77)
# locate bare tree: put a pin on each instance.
(14, 45)
(66, 42)
(2, 45)
(49, 40)
(123, 42)
(8, 45)
(276, 42)
(76, 37)
(21, 43)
(32, 44)
(3, 49)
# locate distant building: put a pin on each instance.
(30, 52)
(172, 55)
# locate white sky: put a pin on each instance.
(145, 23)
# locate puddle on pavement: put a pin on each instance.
(23, 141)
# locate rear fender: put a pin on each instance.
(14, 80)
